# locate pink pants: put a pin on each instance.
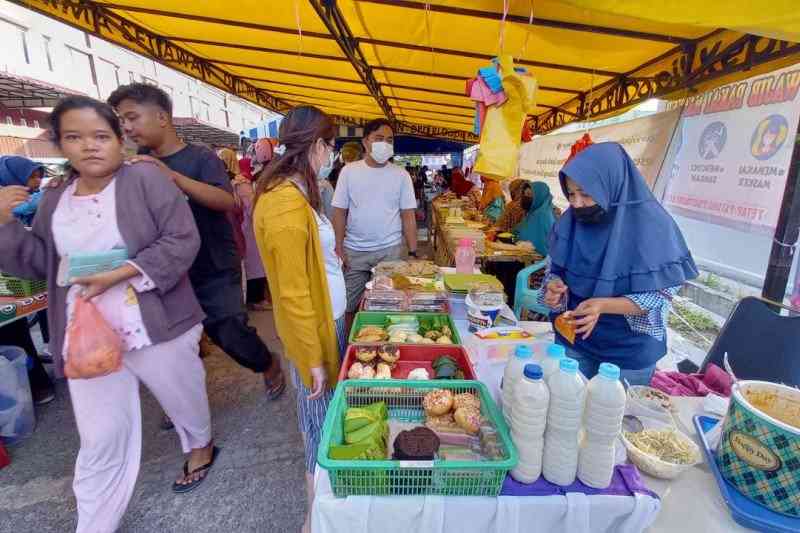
(109, 417)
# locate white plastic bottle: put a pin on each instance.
(605, 407)
(528, 422)
(564, 417)
(555, 353)
(523, 354)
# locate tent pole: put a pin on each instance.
(786, 233)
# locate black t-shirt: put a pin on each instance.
(218, 248)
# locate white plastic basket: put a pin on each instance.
(650, 464)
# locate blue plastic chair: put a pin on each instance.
(525, 298)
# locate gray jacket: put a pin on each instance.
(160, 234)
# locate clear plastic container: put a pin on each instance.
(512, 374)
(605, 407)
(465, 257)
(564, 415)
(17, 419)
(528, 426)
(385, 300)
(428, 301)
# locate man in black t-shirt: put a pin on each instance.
(146, 113)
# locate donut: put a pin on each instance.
(438, 402)
(466, 399)
(366, 355)
(389, 353)
(468, 419)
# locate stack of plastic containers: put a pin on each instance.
(528, 420)
(564, 416)
(605, 407)
(523, 355)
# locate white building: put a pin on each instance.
(40, 48)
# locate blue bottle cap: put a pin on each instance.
(609, 370)
(523, 351)
(568, 365)
(556, 351)
(533, 371)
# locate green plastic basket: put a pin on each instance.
(389, 477)
(11, 286)
(378, 318)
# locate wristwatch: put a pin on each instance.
(413, 253)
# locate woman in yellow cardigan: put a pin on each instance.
(297, 245)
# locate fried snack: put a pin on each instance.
(368, 372)
(438, 402)
(443, 423)
(468, 419)
(384, 371)
(468, 400)
(367, 354)
(564, 327)
(389, 353)
(356, 371)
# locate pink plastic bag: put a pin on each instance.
(94, 349)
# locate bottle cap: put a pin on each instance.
(609, 370)
(556, 351)
(523, 351)
(533, 371)
(568, 365)
(465, 242)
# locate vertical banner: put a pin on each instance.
(735, 148)
(646, 140)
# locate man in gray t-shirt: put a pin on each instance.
(374, 211)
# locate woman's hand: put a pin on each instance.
(586, 315)
(319, 378)
(11, 197)
(554, 293)
(97, 284)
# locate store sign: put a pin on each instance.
(735, 148)
(646, 140)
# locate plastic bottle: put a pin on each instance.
(528, 422)
(465, 257)
(555, 353)
(605, 407)
(564, 416)
(523, 354)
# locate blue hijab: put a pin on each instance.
(15, 170)
(535, 227)
(638, 248)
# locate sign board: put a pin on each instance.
(646, 140)
(734, 148)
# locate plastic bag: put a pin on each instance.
(94, 349)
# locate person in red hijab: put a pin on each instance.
(459, 184)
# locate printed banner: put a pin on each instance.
(646, 139)
(735, 148)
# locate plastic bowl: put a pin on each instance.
(650, 464)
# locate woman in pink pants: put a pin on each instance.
(105, 205)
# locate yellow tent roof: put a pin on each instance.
(409, 59)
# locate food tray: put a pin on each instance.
(378, 318)
(416, 356)
(743, 510)
(16, 287)
(390, 477)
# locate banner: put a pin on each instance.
(735, 148)
(646, 140)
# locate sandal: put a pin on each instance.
(274, 382)
(179, 488)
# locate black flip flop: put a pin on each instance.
(272, 392)
(179, 488)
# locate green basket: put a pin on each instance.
(378, 318)
(11, 286)
(390, 477)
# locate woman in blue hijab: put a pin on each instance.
(617, 260)
(535, 227)
(15, 170)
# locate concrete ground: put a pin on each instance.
(256, 484)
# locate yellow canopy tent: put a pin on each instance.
(408, 60)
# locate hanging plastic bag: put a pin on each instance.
(94, 349)
(501, 134)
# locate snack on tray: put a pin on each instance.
(389, 353)
(371, 334)
(366, 354)
(419, 374)
(468, 419)
(384, 300)
(418, 444)
(356, 371)
(466, 399)
(564, 327)
(438, 402)
(383, 371)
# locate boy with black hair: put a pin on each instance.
(146, 115)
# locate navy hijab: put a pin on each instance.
(15, 170)
(637, 248)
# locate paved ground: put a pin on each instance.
(256, 485)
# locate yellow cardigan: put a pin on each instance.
(288, 240)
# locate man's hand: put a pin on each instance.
(586, 315)
(343, 257)
(150, 159)
(11, 197)
(319, 378)
(554, 293)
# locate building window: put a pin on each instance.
(226, 118)
(47, 53)
(36, 124)
(23, 122)
(132, 76)
(9, 121)
(24, 35)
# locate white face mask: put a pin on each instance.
(382, 152)
(326, 169)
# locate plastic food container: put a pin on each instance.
(650, 464)
(759, 454)
(416, 356)
(428, 301)
(384, 300)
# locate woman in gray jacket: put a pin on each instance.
(105, 205)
